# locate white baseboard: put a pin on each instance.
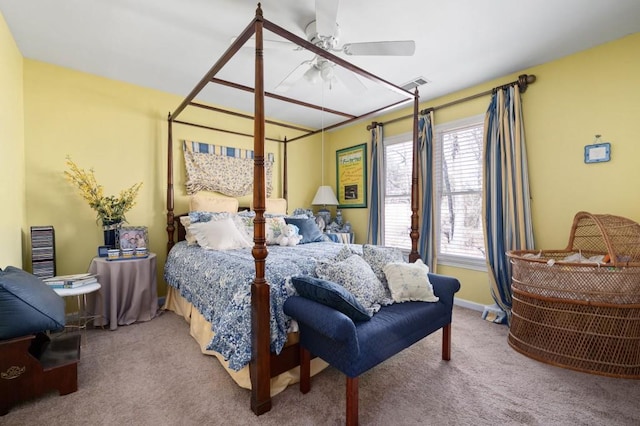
(467, 304)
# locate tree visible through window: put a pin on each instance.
(459, 188)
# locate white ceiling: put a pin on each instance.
(169, 45)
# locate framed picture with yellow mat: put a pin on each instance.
(351, 176)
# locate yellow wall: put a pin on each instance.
(592, 92)
(119, 130)
(12, 164)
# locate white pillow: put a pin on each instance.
(409, 282)
(219, 235)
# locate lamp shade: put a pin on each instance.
(325, 197)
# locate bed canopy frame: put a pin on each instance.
(265, 364)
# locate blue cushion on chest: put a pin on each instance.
(27, 305)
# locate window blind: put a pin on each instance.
(397, 200)
(459, 187)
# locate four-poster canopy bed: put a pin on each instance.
(264, 364)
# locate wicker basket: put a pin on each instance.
(583, 316)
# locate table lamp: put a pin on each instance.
(325, 197)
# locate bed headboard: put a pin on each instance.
(182, 231)
(212, 202)
(274, 205)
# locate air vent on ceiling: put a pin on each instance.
(418, 81)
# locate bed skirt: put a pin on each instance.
(200, 330)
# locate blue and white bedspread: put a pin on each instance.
(218, 284)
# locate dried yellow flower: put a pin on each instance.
(109, 208)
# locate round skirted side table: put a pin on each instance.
(128, 291)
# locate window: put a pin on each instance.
(458, 158)
(398, 153)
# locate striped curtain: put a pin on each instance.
(376, 187)
(426, 185)
(506, 198)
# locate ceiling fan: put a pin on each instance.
(324, 32)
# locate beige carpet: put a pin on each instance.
(154, 374)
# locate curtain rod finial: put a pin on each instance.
(373, 125)
(524, 80)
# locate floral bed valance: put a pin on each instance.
(222, 169)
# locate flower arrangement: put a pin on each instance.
(110, 209)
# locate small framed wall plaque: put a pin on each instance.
(597, 153)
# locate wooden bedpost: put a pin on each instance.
(260, 366)
(415, 196)
(170, 199)
(285, 182)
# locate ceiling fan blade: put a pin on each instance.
(350, 80)
(381, 48)
(326, 17)
(293, 77)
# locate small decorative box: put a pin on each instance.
(126, 253)
(141, 252)
(113, 253)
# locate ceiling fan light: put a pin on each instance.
(327, 73)
(312, 75)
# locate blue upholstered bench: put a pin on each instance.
(354, 347)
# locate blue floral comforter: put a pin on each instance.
(218, 284)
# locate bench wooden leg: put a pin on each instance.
(446, 342)
(352, 401)
(305, 370)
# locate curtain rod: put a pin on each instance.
(523, 82)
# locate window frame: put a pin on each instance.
(460, 261)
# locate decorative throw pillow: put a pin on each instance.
(409, 282)
(344, 253)
(244, 224)
(273, 228)
(308, 229)
(219, 235)
(355, 275)
(27, 305)
(378, 256)
(331, 294)
(204, 216)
